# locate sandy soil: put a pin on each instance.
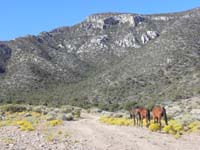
(89, 134)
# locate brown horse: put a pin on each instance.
(135, 115)
(140, 113)
(158, 112)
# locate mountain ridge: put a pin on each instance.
(108, 57)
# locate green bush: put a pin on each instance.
(66, 109)
(13, 108)
(103, 106)
(113, 107)
(40, 109)
(69, 117)
(128, 105)
(77, 113)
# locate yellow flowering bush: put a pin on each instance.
(25, 125)
(174, 127)
(55, 122)
(35, 114)
(167, 128)
(154, 127)
(6, 123)
(194, 126)
(116, 121)
(49, 137)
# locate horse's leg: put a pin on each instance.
(137, 122)
(147, 122)
(138, 119)
(141, 122)
(159, 120)
(154, 119)
(134, 120)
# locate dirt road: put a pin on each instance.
(89, 134)
(99, 136)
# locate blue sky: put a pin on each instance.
(22, 17)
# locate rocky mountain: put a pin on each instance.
(110, 57)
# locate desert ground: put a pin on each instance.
(88, 133)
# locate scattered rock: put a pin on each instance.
(69, 117)
(27, 115)
(63, 117)
(51, 116)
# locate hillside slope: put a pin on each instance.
(109, 57)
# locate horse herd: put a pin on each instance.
(138, 114)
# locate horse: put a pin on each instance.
(157, 113)
(135, 115)
(140, 113)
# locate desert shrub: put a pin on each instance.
(154, 127)
(77, 113)
(194, 126)
(57, 110)
(13, 108)
(25, 125)
(95, 110)
(69, 117)
(167, 128)
(113, 107)
(65, 117)
(177, 135)
(185, 119)
(49, 137)
(176, 126)
(67, 109)
(8, 140)
(6, 123)
(117, 115)
(128, 105)
(116, 121)
(40, 109)
(51, 116)
(150, 105)
(103, 106)
(35, 114)
(55, 122)
(59, 132)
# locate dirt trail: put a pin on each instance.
(89, 134)
(98, 136)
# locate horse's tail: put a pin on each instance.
(131, 116)
(131, 112)
(139, 118)
(165, 116)
(148, 115)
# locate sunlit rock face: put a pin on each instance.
(128, 40)
(149, 35)
(103, 20)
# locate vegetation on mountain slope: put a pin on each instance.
(108, 61)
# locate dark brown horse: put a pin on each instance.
(140, 113)
(158, 112)
(135, 115)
